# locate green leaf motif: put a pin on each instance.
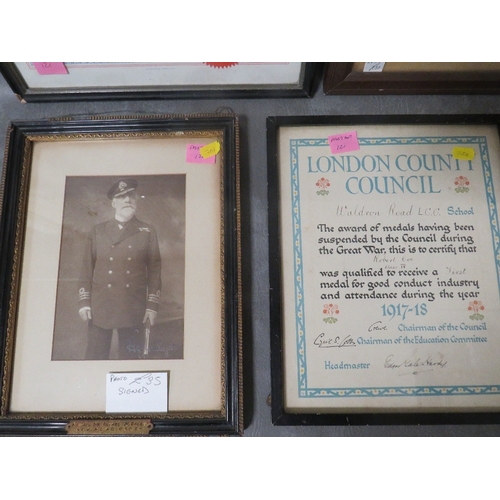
(477, 317)
(330, 319)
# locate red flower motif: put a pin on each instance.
(323, 183)
(476, 306)
(461, 181)
(331, 309)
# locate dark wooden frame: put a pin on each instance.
(19, 86)
(340, 79)
(14, 194)
(279, 414)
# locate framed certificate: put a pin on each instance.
(121, 291)
(351, 78)
(71, 81)
(385, 278)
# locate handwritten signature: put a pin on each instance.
(377, 326)
(155, 347)
(324, 342)
(416, 363)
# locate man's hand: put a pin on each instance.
(85, 313)
(151, 315)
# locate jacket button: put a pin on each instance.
(130, 258)
(128, 272)
(127, 285)
(109, 286)
(111, 258)
(110, 272)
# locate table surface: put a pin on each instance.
(253, 113)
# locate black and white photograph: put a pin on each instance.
(120, 290)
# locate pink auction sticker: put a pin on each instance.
(343, 143)
(50, 68)
(193, 154)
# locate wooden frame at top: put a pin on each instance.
(348, 78)
(111, 81)
(74, 254)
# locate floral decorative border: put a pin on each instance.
(309, 392)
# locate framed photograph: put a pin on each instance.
(71, 81)
(384, 269)
(121, 281)
(353, 78)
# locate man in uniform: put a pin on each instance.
(120, 284)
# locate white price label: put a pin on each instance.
(373, 67)
(143, 392)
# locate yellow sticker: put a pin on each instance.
(210, 149)
(463, 153)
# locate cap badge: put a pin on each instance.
(122, 185)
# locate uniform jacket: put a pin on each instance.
(121, 273)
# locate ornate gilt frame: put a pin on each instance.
(18, 189)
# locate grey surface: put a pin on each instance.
(253, 113)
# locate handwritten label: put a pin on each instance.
(342, 143)
(50, 68)
(193, 154)
(373, 67)
(210, 149)
(142, 392)
(463, 153)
